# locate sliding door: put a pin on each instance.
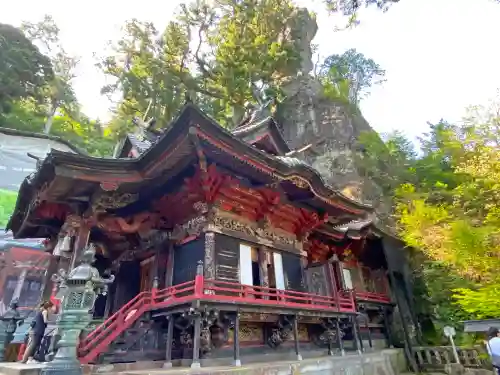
(278, 271)
(246, 270)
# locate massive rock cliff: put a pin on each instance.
(330, 129)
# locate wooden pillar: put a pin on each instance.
(367, 326)
(264, 275)
(358, 343)
(81, 241)
(107, 307)
(169, 274)
(209, 263)
(48, 284)
(236, 339)
(196, 341)
(339, 337)
(387, 326)
(296, 338)
(170, 337)
(361, 276)
(408, 344)
(156, 270)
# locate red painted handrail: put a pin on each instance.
(99, 339)
(104, 334)
(375, 297)
(230, 291)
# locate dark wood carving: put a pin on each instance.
(317, 280)
(227, 258)
(279, 332)
(292, 268)
(209, 269)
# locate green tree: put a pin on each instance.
(222, 54)
(59, 93)
(352, 74)
(455, 219)
(24, 70)
(7, 204)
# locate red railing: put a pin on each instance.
(229, 291)
(99, 339)
(373, 297)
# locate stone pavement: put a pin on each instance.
(385, 362)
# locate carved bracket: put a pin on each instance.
(281, 331)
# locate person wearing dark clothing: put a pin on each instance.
(37, 330)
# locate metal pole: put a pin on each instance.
(455, 353)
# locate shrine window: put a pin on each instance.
(368, 280)
(352, 277)
(347, 278)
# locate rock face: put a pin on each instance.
(332, 129)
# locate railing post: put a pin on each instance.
(199, 280)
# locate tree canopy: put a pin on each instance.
(24, 70)
(446, 207)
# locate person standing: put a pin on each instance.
(37, 330)
(493, 346)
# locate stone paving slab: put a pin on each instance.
(386, 362)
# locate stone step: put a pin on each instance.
(14, 368)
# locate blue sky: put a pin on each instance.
(440, 55)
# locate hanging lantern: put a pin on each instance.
(63, 247)
(66, 243)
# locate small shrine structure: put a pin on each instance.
(223, 246)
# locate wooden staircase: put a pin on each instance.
(99, 339)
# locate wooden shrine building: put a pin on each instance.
(224, 248)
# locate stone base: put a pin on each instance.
(14, 368)
(386, 362)
(377, 363)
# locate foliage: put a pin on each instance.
(447, 206)
(352, 74)
(54, 109)
(85, 134)
(7, 204)
(58, 91)
(456, 220)
(24, 70)
(223, 54)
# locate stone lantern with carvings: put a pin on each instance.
(78, 290)
(8, 325)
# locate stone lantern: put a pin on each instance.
(9, 322)
(78, 290)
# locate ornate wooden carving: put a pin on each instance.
(264, 274)
(209, 268)
(225, 222)
(280, 331)
(112, 200)
(142, 222)
(193, 227)
(327, 335)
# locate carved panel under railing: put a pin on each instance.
(437, 357)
